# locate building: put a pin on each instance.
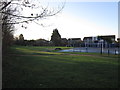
(64, 42)
(74, 42)
(90, 41)
(106, 41)
(41, 42)
(107, 38)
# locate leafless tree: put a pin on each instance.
(35, 10)
(7, 31)
(21, 12)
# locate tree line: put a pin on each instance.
(56, 40)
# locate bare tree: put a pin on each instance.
(7, 32)
(21, 12)
(35, 10)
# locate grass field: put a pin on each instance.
(42, 67)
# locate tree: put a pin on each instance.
(56, 38)
(37, 11)
(14, 12)
(21, 39)
(118, 42)
(16, 41)
(7, 32)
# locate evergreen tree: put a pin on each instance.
(56, 38)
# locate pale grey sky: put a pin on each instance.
(77, 20)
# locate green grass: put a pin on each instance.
(36, 50)
(35, 67)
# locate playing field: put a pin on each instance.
(42, 67)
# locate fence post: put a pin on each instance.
(101, 41)
(101, 49)
(86, 49)
(108, 52)
(80, 49)
(115, 51)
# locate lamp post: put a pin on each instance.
(86, 47)
(101, 51)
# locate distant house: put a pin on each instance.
(106, 40)
(74, 42)
(90, 41)
(64, 42)
(42, 42)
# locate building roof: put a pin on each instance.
(104, 36)
(112, 36)
(64, 38)
(87, 38)
(74, 39)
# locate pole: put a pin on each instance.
(108, 52)
(115, 51)
(101, 49)
(86, 49)
(1, 15)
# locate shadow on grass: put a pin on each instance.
(59, 72)
(41, 54)
(51, 70)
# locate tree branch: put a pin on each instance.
(6, 5)
(45, 13)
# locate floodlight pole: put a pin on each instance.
(101, 46)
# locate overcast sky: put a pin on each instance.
(77, 20)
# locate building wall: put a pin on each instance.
(96, 41)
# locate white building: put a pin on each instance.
(96, 41)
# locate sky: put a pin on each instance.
(77, 20)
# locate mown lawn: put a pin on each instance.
(42, 67)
